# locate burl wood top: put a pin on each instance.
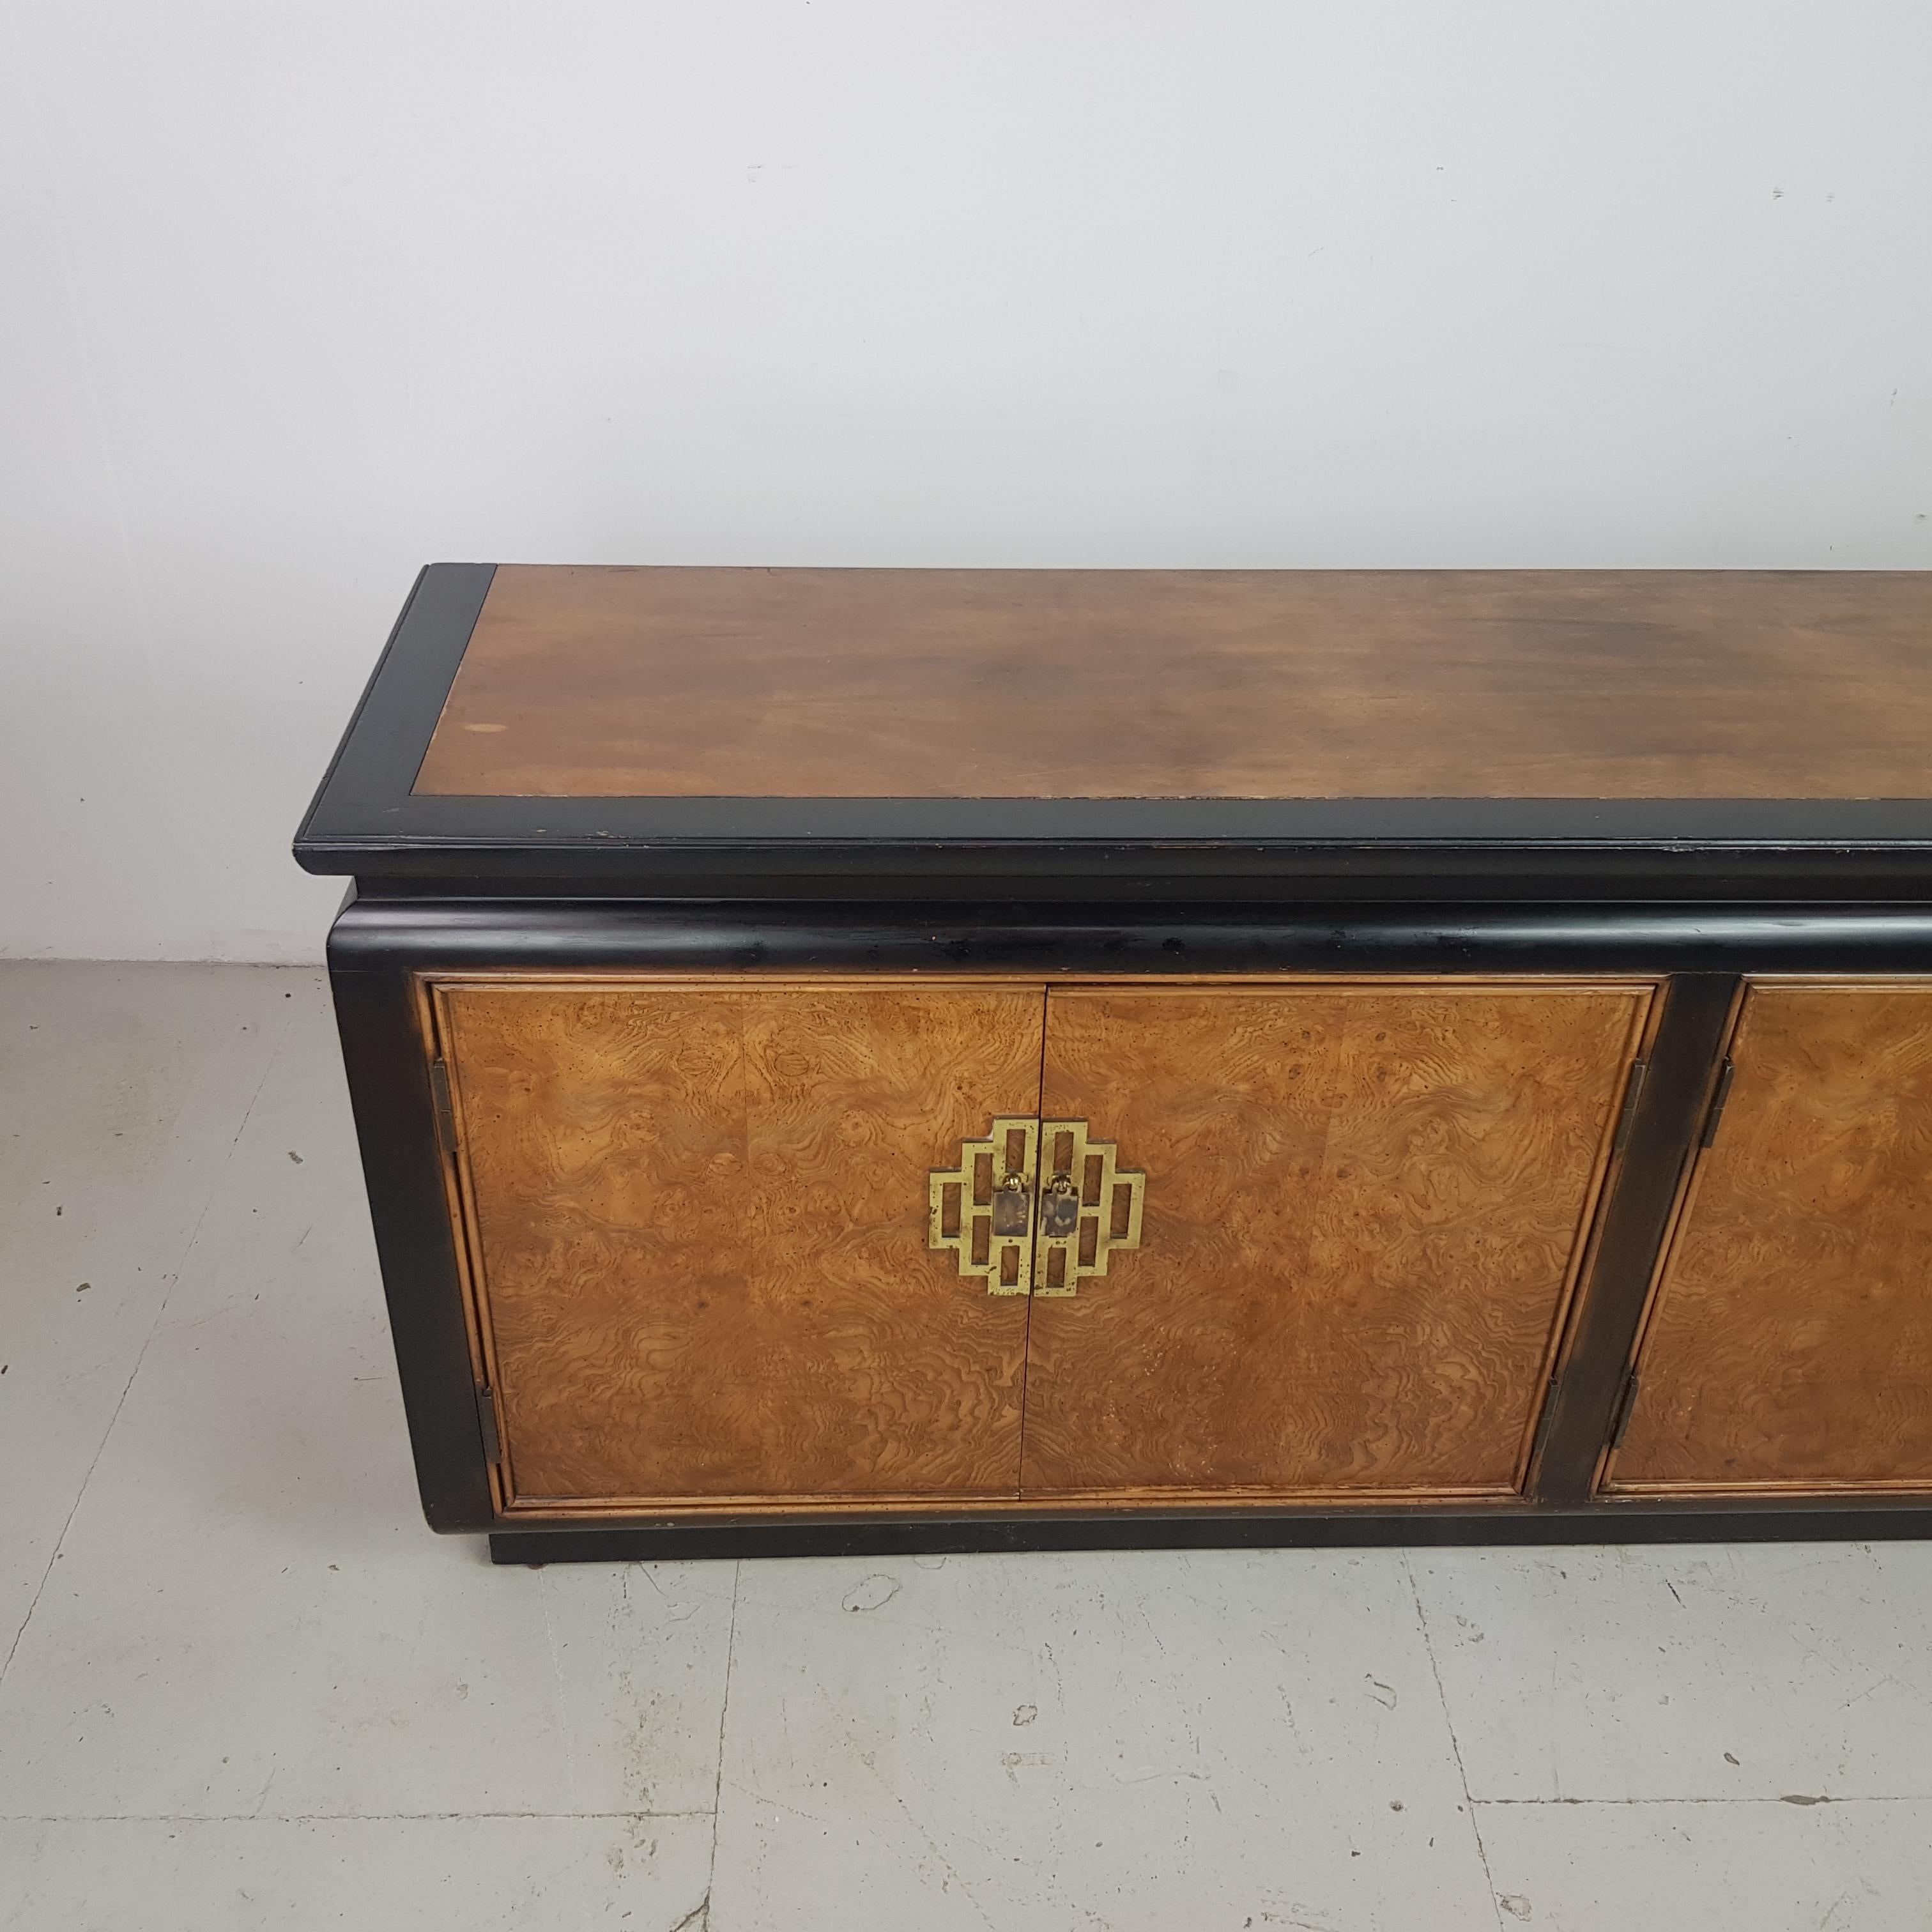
(607, 683)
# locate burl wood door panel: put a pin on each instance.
(697, 1227)
(1789, 1345)
(1365, 1208)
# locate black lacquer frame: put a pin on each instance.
(381, 944)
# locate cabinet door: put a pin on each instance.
(1788, 1345)
(1364, 1209)
(696, 1222)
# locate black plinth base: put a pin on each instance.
(1619, 1523)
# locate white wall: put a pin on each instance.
(297, 296)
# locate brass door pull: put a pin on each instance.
(1089, 1207)
(1059, 1208)
(982, 1211)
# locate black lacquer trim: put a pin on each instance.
(387, 1062)
(1531, 875)
(1464, 879)
(708, 935)
(463, 825)
(1363, 1528)
(1529, 848)
(367, 782)
(1643, 1190)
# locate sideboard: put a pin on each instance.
(853, 1060)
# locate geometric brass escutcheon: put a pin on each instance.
(1034, 1207)
(982, 1209)
(1089, 1208)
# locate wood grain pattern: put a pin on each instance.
(701, 1220)
(1790, 1342)
(1186, 684)
(1364, 1206)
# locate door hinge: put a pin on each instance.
(486, 1421)
(445, 1113)
(1626, 1408)
(1543, 1421)
(1727, 1073)
(1633, 1088)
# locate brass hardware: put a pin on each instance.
(1059, 1209)
(445, 1114)
(1090, 1208)
(982, 1210)
(1627, 1118)
(486, 1421)
(1537, 1441)
(1626, 1408)
(1725, 1077)
(1013, 1201)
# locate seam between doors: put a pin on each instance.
(1026, 1340)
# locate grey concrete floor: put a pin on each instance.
(243, 1686)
